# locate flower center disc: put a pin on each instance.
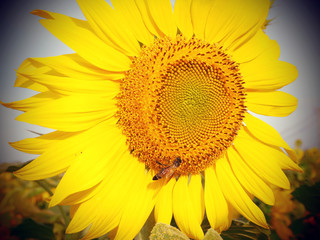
(181, 98)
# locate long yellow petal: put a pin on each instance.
(71, 113)
(163, 207)
(262, 159)
(84, 42)
(183, 17)
(264, 132)
(216, 205)
(71, 86)
(284, 161)
(275, 103)
(162, 16)
(236, 195)
(60, 154)
(35, 101)
(235, 22)
(109, 26)
(248, 179)
(188, 205)
(74, 66)
(257, 47)
(128, 10)
(265, 75)
(98, 154)
(79, 197)
(147, 19)
(106, 205)
(200, 10)
(139, 207)
(25, 82)
(39, 145)
(110, 207)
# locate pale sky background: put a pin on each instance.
(296, 28)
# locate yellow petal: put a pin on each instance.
(262, 159)
(29, 67)
(236, 195)
(163, 207)
(25, 82)
(199, 16)
(275, 103)
(72, 65)
(60, 154)
(264, 132)
(128, 10)
(40, 144)
(71, 113)
(138, 209)
(84, 42)
(88, 169)
(147, 19)
(270, 75)
(35, 101)
(216, 204)
(109, 26)
(257, 47)
(183, 17)
(110, 207)
(248, 179)
(69, 86)
(78, 197)
(73, 209)
(188, 205)
(162, 16)
(235, 22)
(285, 162)
(108, 199)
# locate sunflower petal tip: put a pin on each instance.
(298, 169)
(19, 174)
(52, 203)
(35, 12)
(41, 13)
(12, 144)
(7, 105)
(266, 226)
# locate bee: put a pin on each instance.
(168, 171)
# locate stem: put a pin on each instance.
(44, 185)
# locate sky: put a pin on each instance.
(295, 27)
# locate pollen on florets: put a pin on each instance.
(181, 98)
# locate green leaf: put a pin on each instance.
(15, 168)
(212, 235)
(31, 229)
(309, 196)
(163, 231)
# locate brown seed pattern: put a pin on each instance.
(181, 98)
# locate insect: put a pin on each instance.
(168, 171)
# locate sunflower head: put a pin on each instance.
(181, 98)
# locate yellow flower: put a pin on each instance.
(152, 92)
(280, 220)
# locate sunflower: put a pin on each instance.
(159, 92)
